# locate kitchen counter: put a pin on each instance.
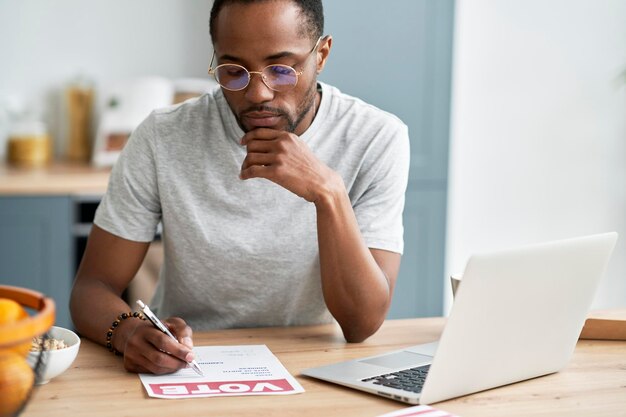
(58, 178)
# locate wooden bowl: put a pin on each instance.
(16, 376)
(35, 325)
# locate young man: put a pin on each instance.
(280, 198)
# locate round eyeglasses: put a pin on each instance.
(277, 77)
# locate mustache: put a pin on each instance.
(264, 109)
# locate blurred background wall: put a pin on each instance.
(538, 142)
(44, 45)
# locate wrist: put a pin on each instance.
(120, 330)
(330, 193)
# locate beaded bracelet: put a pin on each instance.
(116, 323)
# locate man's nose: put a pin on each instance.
(257, 91)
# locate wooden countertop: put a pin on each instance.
(59, 178)
(593, 383)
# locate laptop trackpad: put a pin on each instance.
(399, 360)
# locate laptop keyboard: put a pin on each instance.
(411, 379)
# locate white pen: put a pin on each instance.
(159, 325)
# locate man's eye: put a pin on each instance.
(235, 72)
(281, 70)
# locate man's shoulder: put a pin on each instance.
(191, 121)
(344, 106)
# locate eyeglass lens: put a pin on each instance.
(277, 77)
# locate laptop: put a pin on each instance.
(517, 314)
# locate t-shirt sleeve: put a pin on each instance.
(131, 207)
(380, 204)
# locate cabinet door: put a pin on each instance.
(36, 248)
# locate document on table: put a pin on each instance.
(228, 371)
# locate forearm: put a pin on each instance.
(355, 288)
(109, 264)
(94, 305)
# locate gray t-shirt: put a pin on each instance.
(244, 253)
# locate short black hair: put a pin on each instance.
(311, 10)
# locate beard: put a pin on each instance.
(291, 121)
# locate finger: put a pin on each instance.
(260, 134)
(150, 360)
(181, 330)
(261, 159)
(164, 343)
(257, 171)
(161, 363)
(260, 146)
(178, 327)
(146, 365)
(187, 341)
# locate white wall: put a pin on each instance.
(44, 44)
(538, 146)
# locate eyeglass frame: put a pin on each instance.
(212, 71)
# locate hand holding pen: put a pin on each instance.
(159, 325)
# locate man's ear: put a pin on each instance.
(323, 51)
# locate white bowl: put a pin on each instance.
(57, 360)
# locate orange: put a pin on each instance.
(16, 379)
(11, 312)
